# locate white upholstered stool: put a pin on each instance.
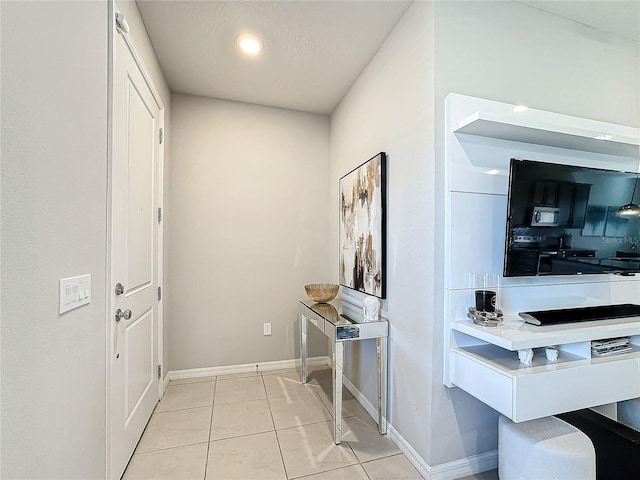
(544, 449)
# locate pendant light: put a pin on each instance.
(630, 209)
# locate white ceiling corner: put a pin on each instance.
(313, 50)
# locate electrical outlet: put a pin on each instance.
(267, 328)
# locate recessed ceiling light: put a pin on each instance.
(520, 108)
(250, 44)
(493, 171)
(604, 136)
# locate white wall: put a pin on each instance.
(249, 228)
(510, 52)
(513, 53)
(54, 167)
(54, 193)
(390, 108)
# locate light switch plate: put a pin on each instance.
(74, 292)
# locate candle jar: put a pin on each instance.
(485, 309)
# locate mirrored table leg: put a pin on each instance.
(303, 349)
(338, 357)
(381, 363)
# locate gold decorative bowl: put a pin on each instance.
(322, 292)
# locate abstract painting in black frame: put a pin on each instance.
(362, 230)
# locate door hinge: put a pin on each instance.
(121, 24)
(161, 136)
(159, 214)
(159, 372)
(159, 293)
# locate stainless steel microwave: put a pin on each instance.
(545, 217)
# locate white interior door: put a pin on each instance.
(135, 192)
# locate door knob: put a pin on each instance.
(120, 314)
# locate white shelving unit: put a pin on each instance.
(553, 130)
(491, 371)
(514, 334)
(483, 361)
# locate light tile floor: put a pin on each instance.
(262, 426)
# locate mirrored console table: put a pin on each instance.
(342, 322)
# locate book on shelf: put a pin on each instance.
(611, 346)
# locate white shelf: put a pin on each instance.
(545, 388)
(515, 334)
(507, 361)
(554, 130)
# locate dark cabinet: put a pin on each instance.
(580, 202)
(569, 198)
(522, 262)
(545, 194)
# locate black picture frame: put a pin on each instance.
(362, 227)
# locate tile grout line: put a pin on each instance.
(382, 458)
(325, 471)
(238, 376)
(365, 471)
(360, 463)
(304, 425)
(240, 436)
(194, 381)
(244, 399)
(319, 397)
(213, 402)
(284, 467)
(354, 453)
(343, 417)
(154, 413)
(155, 450)
(180, 409)
(324, 404)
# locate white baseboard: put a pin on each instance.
(364, 401)
(465, 466)
(423, 467)
(243, 368)
(444, 471)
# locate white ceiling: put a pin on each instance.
(313, 50)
